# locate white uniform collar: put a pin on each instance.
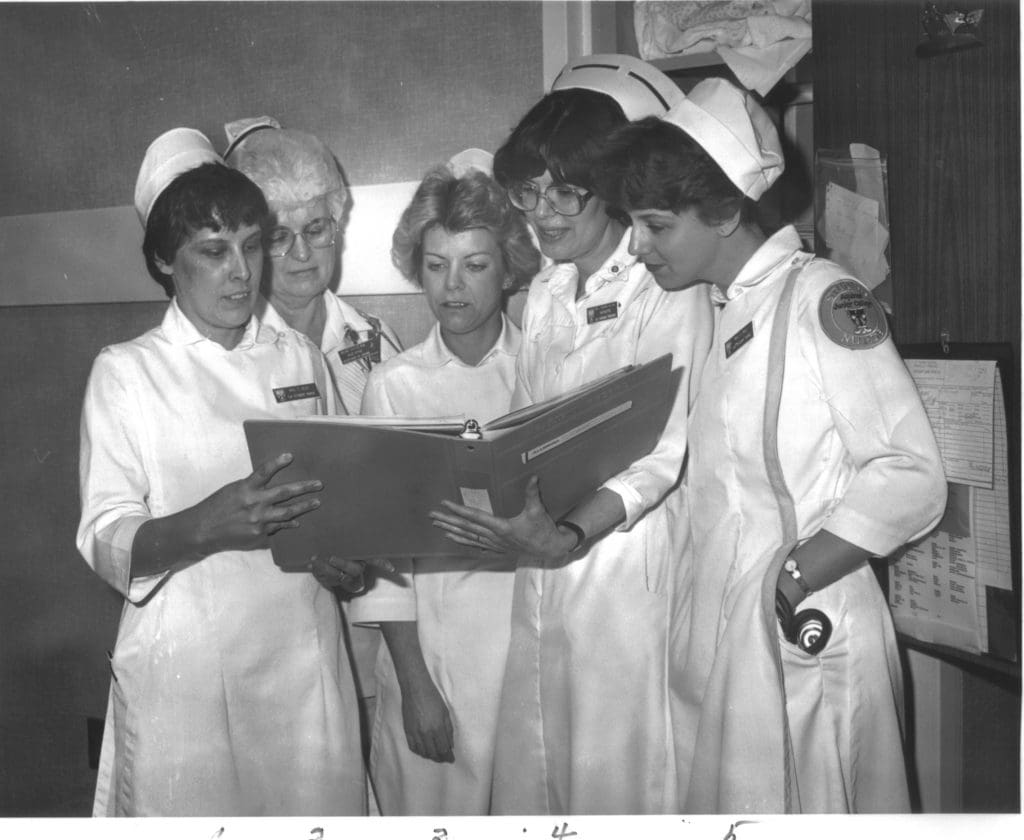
(178, 329)
(341, 318)
(436, 353)
(563, 277)
(776, 250)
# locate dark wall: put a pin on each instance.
(949, 126)
(391, 87)
(950, 129)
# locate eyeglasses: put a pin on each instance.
(319, 233)
(565, 201)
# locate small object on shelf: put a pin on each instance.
(948, 31)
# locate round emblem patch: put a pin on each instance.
(851, 316)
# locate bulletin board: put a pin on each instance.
(956, 593)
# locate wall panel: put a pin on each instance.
(950, 128)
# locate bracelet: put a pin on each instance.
(581, 537)
(792, 568)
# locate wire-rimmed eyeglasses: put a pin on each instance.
(318, 233)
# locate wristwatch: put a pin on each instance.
(792, 568)
(581, 536)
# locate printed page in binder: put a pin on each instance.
(937, 587)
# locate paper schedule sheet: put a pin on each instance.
(959, 398)
(938, 585)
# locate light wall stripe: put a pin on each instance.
(95, 256)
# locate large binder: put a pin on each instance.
(381, 478)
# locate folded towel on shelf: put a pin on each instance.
(760, 40)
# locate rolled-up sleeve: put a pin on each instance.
(112, 481)
(679, 323)
(898, 490)
(391, 598)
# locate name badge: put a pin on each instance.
(368, 350)
(738, 340)
(603, 312)
(296, 392)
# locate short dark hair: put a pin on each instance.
(654, 164)
(210, 196)
(562, 134)
(458, 204)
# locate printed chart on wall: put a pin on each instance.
(943, 588)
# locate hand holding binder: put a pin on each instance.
(533, 532)
(381, 479)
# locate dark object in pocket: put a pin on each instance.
(810, 631)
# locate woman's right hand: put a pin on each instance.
(427, 721)
(241, 515)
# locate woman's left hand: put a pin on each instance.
(349, 575)
(533, 532)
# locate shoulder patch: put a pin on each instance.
(851, 316)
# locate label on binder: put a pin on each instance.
(476, 497)
(576, 431)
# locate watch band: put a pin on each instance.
(581, 536)
(784, 613)
(792, 568)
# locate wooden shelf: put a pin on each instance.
(687, 62)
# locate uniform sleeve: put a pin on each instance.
(521, 395)
(389, 599)
(112, 480)
(898, 492)
(679, 323)
(376, 402)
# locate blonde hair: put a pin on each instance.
(461, 203)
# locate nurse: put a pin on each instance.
(231, 690)
(584, 725)
(447, 628)
(810, 453)
(306, 192)
(308, 199)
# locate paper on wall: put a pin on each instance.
(855, 235)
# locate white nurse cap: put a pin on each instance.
(471, 159)
(172, 153)
(238, 130)
(735, 131)
(640, 89)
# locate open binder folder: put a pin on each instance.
(382, 476)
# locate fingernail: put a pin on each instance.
(316, 503)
